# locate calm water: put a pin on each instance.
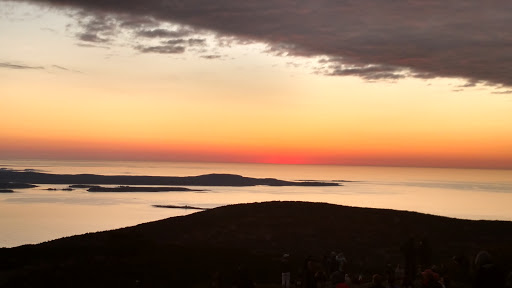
(36, 215)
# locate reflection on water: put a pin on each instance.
(36, 215)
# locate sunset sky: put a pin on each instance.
(394, 83)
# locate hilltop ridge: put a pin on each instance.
(186, 250)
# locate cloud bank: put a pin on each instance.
(470, 39)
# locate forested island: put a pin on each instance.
(7, 176)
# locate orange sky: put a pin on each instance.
(251, 106)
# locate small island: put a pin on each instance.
(14, 185)
(63, 189)
(139, 189)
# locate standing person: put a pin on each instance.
(409, 252)
(430, 279)
(285, 271)
(309, 273)
(340, 258)
(377, 280)
(242, 278)
(487, 273)
(425, 253)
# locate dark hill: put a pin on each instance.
(185, 251)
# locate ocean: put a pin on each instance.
(36, 215)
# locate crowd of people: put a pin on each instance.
(417, 271)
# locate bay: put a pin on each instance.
(36, 215)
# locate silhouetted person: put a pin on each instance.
(409, 252)
(459, 268)
(309, 273)
(509, 280)
(487, 274)
(425, 253)
(390, 275)
(216, 280)
(340, 258)
(430, 279)
(242, 279)
(320, 278)
(399, 274)
(332, 264)
(285, 271)
(338, 279)
(377, 281)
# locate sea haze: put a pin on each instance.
(37, 214)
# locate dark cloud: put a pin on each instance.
(61, 68)
(18, 66)
(368, 72)
(175, 41)
(196, 42)
(164, 33)
(98, 28)
(88, 37)
(65, 69)
(87, 45)
(502, 92)
(27, 67)
(468, 84)
(211, 56)
(189, 42)
(470, 39)
(163, 49)
(137, 22)
(171, 46)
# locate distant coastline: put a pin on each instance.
(10, 176)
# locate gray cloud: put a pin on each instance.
(163, 49)
(19, 66)
(87, 45)
(502, 92)
(369, 72)
(88, 37)
(98, 28)
(164, 33)
(470, 39)
(196, 42)
(211, 56)
(58, 67)
(190, 42)
(27, 67)
(61, 68)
